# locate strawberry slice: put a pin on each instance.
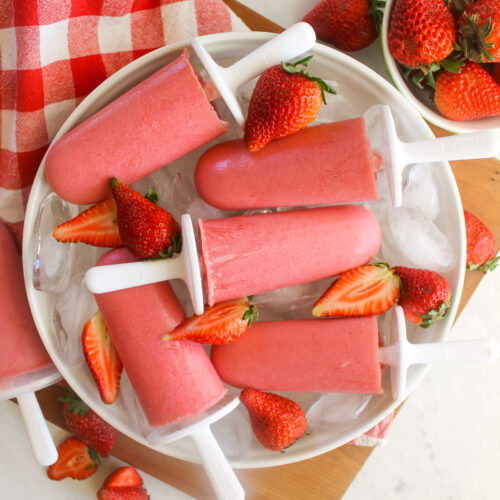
(95, 226)
(75, 459)
(101, 357)
(364, 290)
(123, 484)
(220, 324)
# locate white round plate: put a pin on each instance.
(360, 87)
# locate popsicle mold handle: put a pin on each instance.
(457, 351)
(291, 43)
(185, 266)
(222, 477)
(468, 146)
(42, 444)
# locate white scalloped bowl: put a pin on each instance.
(365, 88)
(420, 99)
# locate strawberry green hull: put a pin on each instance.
(331, 355)
(256, 253)
(173, 380)
(161, 119)
(322, 164)
(22, 350)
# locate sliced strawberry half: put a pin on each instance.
(102, 358)
(96, 226)
(220, 324)
(75, 459)
(364, 290)
(123, 484)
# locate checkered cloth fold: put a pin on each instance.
(55, 52)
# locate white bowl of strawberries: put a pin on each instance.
(358, 89)
(444, 60)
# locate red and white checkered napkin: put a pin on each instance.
(54, 52)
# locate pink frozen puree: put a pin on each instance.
(330, 355)
(173, 380)
(22, 350)
(322, 164)
(159, 120)
(256, 253)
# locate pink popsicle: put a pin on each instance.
(332, 355)
(173, 380)
(159, 120)
(256, 253)
(321, 164)
(22, 350)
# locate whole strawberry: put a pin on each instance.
(421, 32)
(479, 31)
(425, 295)
(285, 99)
(349, 25)
(471, 93)
(481, 245)
(146, 229)
(86, 425)
(276, 421)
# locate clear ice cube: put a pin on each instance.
(421, 191)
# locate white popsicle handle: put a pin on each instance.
(222, 477)
(457, 351)
(104, 279)
(42, 444)
(289, 44)
(469, 146)
(293, 42)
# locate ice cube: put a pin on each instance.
(73, 308)
(53, 261)
(421, 191)
(419, 241)
(335, 409)
(132, 408)
(233, 432)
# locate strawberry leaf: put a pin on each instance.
(152, 195)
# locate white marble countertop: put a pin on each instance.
(444, 443)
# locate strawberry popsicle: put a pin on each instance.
(22, 350)
(256, 253)
(159, 120)
(333, 355)
(172, 380)
(321, 164)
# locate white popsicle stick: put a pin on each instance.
(401, 353)
(396, 154)
(41, 441)
(185, 266)
(222, 477)
(293, 42)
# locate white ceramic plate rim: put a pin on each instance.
(41, 188)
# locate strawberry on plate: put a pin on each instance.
(471, 93)
(75, 459)
(425, 295)
(276, 421)
(220, 324)
(481, 245)
(349, 25)
(86, 425)
(362, 291)
(124, 483)
(96, 226)
(285, 99)
(146, 229)
(102, 358)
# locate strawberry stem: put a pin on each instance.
(300, 67)
(251, 314)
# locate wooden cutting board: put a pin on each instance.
(329, 475)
